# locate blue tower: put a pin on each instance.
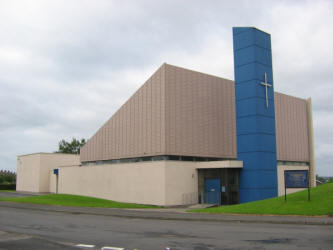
(255, 115)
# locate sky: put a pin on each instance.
(67, 66)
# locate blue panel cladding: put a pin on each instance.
(256, 142)
(252, 160)
(255, 124)
(250, 89)
(256, 139)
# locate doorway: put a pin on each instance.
(218, 186)
(212, 191)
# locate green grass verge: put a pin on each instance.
(73, 201)
(297, 204)
(7, 190)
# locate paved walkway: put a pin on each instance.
(175, 214)
(17, 194)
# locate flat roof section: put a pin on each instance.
(219, 164)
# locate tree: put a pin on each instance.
(7, 177)
(72, 147)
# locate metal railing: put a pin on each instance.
(210, 198)
(190, 198)
(202, 198)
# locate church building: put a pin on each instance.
(186, 137)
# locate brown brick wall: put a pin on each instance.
(136, 129)
(291, 120)
(183, 112)
(200, 114)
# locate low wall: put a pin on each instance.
(141, 182)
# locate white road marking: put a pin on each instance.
(84, 245)
(112, 248)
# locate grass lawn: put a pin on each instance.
(73, 201)
(297, 204)
(7, 191)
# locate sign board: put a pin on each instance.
(56, 171)
(223, 189)
(296, 178)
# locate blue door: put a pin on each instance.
(212, 191)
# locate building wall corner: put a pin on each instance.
(312, 166)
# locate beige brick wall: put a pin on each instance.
(164, 183)
(181, 183)
(51, 161)
(52, 182)
(33, 171)
(28, 173)
(142, 182)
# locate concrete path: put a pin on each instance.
(16, 194)
(175, 214)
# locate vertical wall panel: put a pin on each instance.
(291, 128)
(160, 111)
(193, 126)
(136, 129)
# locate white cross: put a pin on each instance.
(266, 84)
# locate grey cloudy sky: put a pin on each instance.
(67, 66)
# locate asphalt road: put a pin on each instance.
(32, 229)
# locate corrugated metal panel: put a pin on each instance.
(200, 114)
(183, 112)
(136, 129)
(291, 128)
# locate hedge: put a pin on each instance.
(7, 186)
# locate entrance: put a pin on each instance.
(218, 186)
(212, 191)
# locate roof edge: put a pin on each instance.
(195, 71)
(39, 153)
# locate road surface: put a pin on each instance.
(32, 229)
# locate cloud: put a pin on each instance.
(67, 66)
